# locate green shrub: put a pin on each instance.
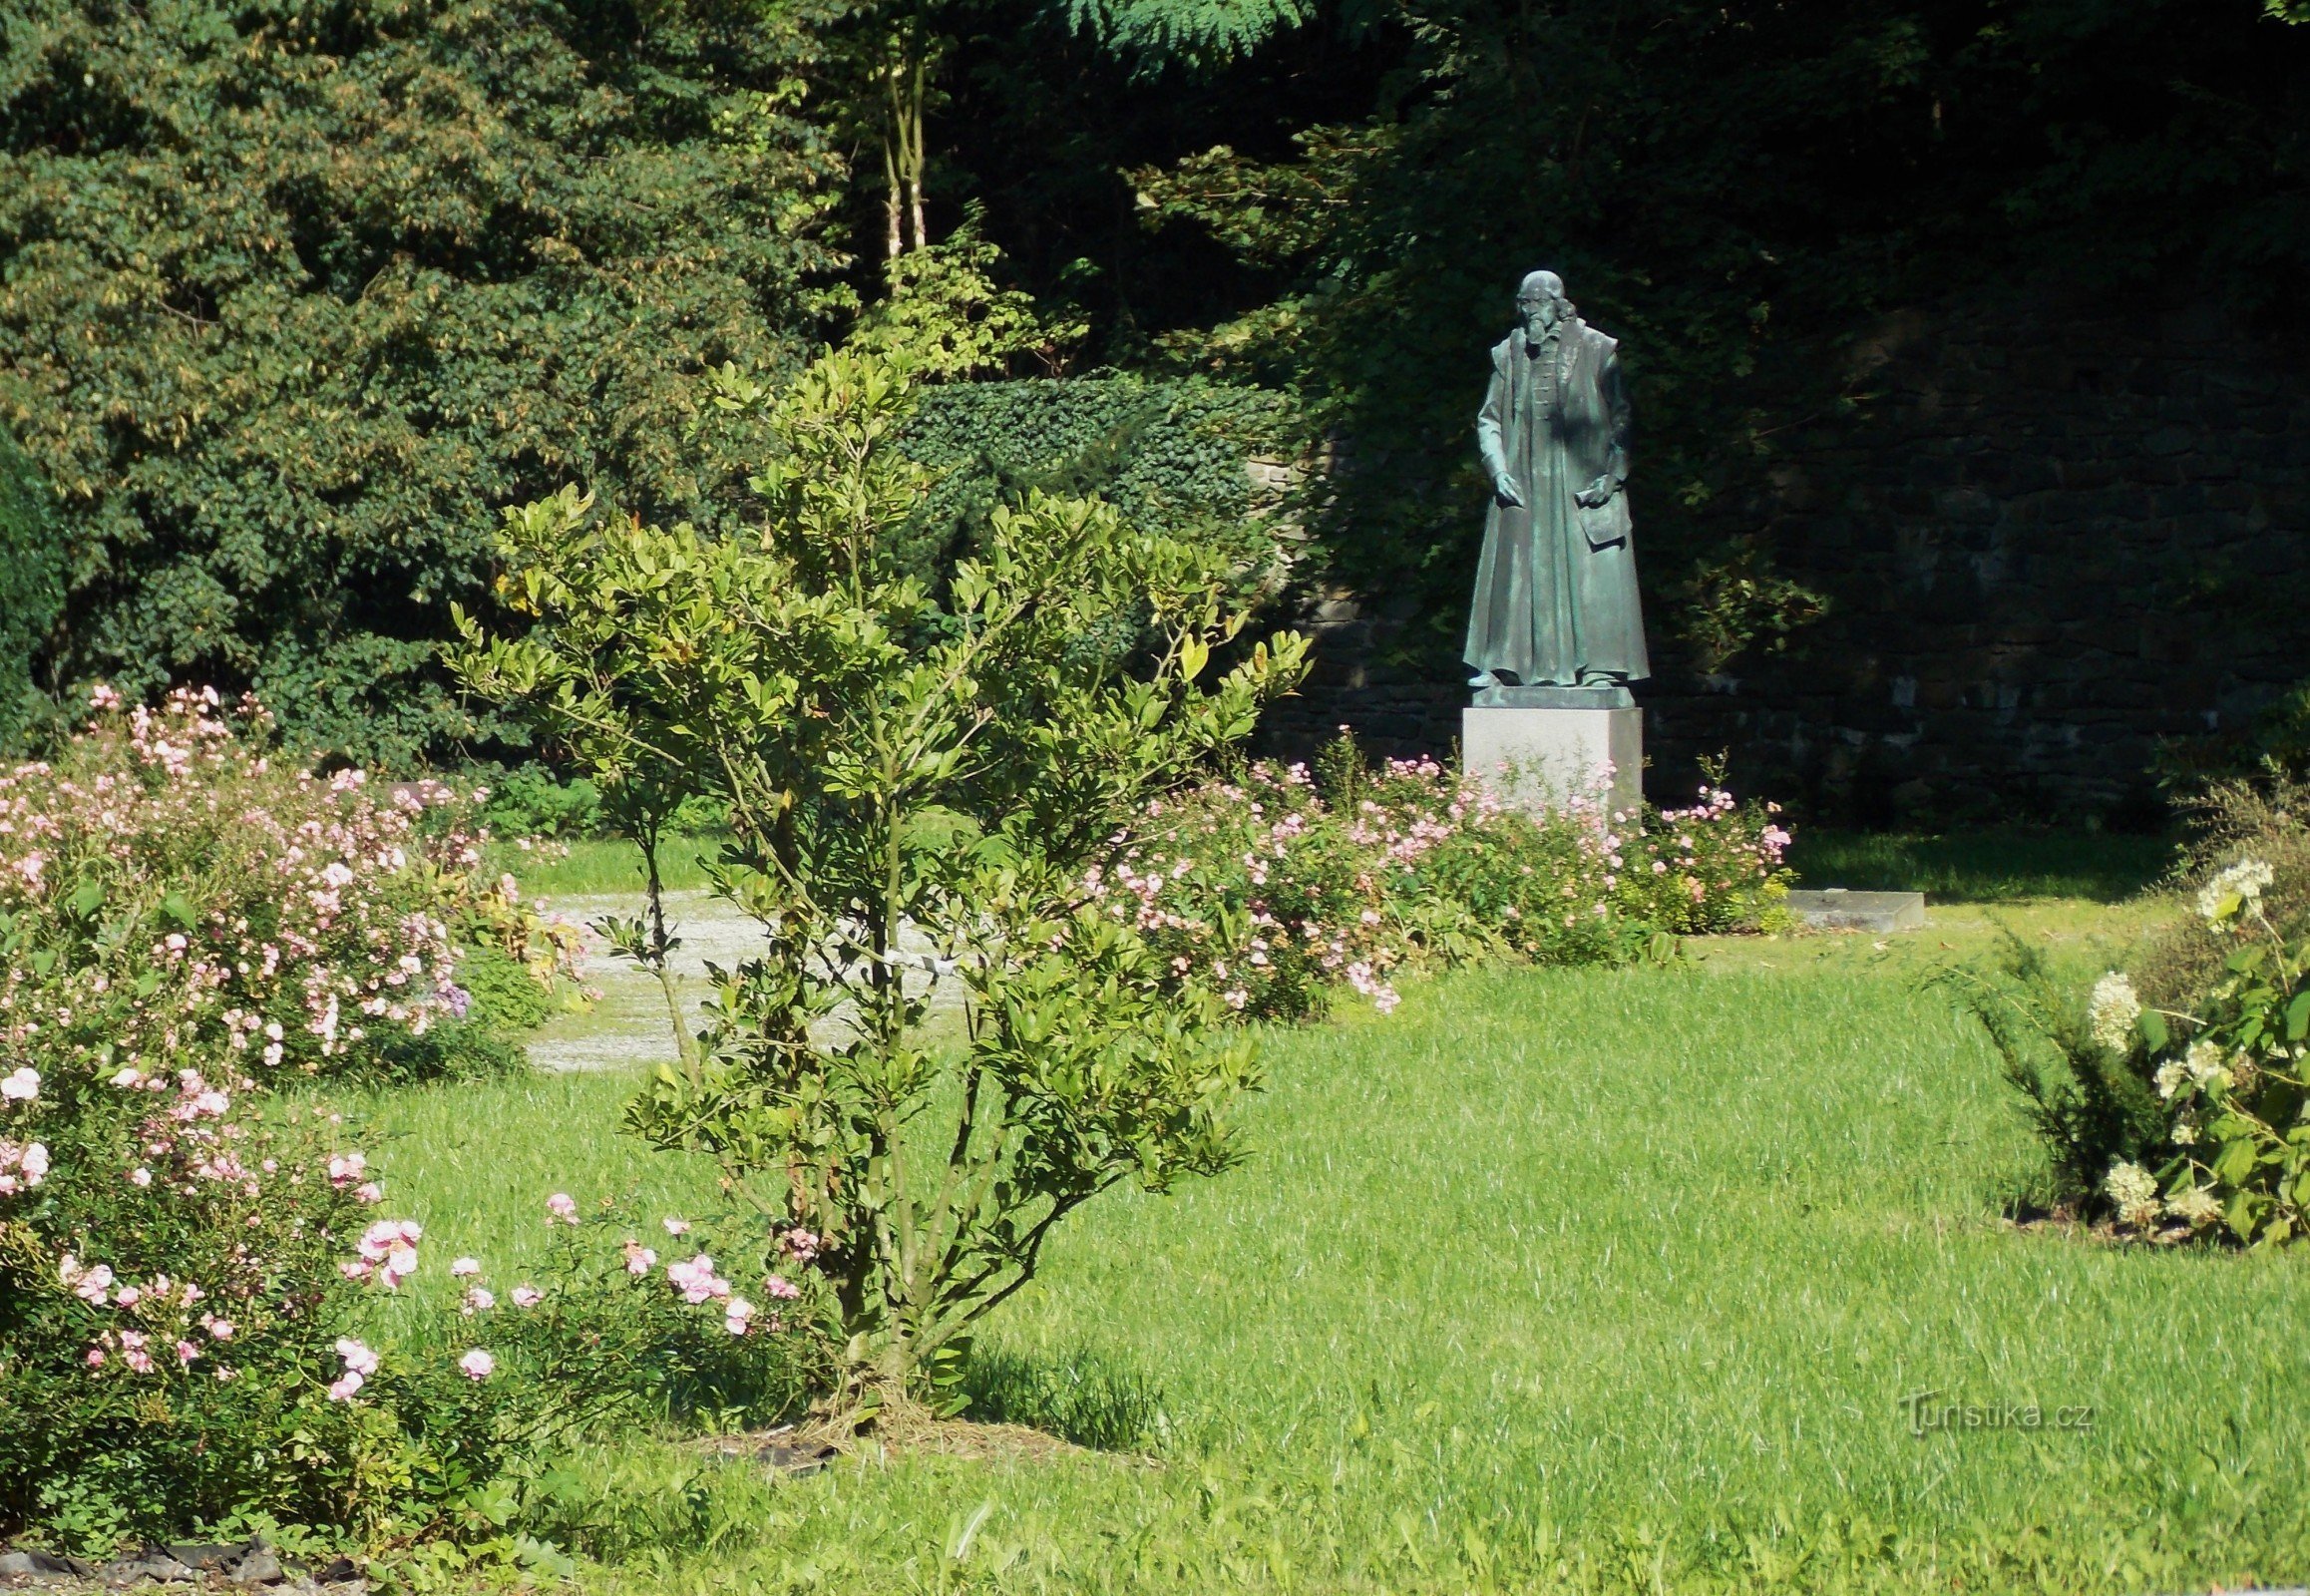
(1273, 889)
(2171, 1097)
(301, 925)
(530, 801)
(1171, 457)
(915, 780)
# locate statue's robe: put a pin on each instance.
(1556, 588)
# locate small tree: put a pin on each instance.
(917, 779)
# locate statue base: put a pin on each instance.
(1613, 696)
(1540, 757)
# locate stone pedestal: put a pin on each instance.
(1539, 746)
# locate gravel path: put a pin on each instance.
(629, 1027)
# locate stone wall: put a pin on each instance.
(2055, 541)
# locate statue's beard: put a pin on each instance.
(1548, 321)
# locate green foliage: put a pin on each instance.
(1736, 601)
(528, 801)
(943, 316)
(31, 583)
(1171, 457)
(915, 781)
(1166, 32)
(1731, 192)
(294, 300)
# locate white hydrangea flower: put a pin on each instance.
(2184, 1133)
(2204, 1063)
(2196, 1207)
(2113, 1011)
(2242, 881)
(2135, 1192)
(2171, 1075)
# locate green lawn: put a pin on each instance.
(1983, 867)
(1554, 1279)
(587, 867)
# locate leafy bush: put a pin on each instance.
(287, 350)
(2172, 1098)
(530, 801)
(172, 885)
(1171, 457)
(1273, 889)
(669, 1336)
(184, 1282)
(915, 781)
(31, 583)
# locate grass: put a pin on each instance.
(1552, 1279)
(1984, 867)
(593, 867)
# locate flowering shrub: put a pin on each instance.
(183, 1260)
(169, 1283)
(661, 1317)
(183, 1284)
(2179, 1112)
(198, 891)
(2236, 1139)
(1270, 892)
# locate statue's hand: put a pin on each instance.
(1511, 491)
(1597, 494)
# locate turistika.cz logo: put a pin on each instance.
(1928, 1414)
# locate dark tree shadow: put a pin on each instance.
(1084, 1398)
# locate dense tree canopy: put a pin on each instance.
(1724, 185)
(295, 295)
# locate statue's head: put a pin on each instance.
(1540, 302)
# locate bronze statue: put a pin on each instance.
(1556, 590)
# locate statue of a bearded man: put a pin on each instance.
(1556, 589)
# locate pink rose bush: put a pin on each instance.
(215, 894)
(1275, 888)
(187, 922)
(615, 1322)
(203, 1341)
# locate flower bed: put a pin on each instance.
(185, 924)
(170, 884)
(1276, 888)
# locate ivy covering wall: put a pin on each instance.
(1172, 455)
